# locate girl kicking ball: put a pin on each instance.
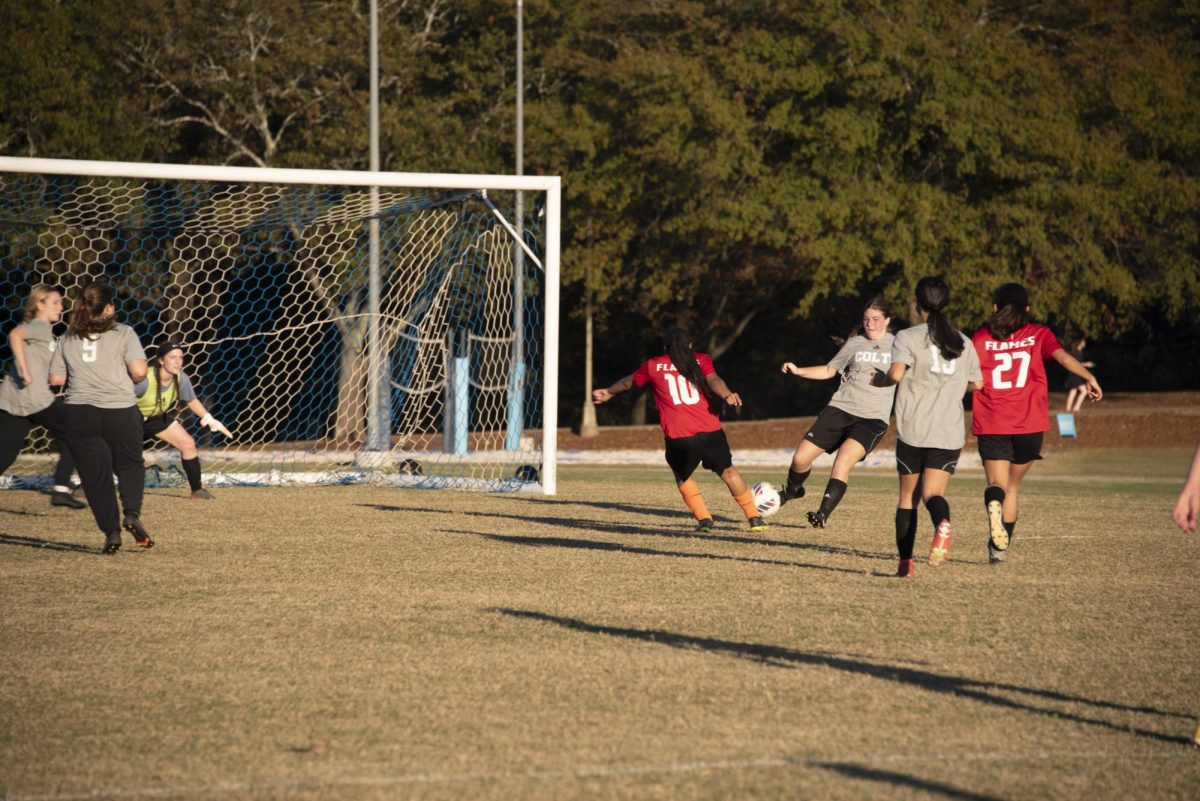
(687, 390)
(857, 415)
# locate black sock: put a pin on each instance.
(834, 491)
(191, 468)
(939, 509)
(906, 532)
(1010, 528)
(993, 494)
(796, 480)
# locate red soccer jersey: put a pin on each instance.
(683, 409)
(1014, 396)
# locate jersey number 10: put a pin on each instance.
(682, 391)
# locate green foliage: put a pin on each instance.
(723, 161)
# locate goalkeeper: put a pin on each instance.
(158, 396)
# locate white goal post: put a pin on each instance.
(397, 328)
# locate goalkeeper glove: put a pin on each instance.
(213, 424)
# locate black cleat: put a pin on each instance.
(789, 494)
(816, 519)
(757, 524)
(66, 499)
(704, 526)
(134, 526)
(112, 544)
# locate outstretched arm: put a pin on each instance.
(1188, 505)
(206, 418)
(721, 390)
(1073, 365)
(602, 395)
(818, 372)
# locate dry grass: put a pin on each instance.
(370, 643)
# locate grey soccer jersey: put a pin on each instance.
(22, 401)
(858, 361)
(929, 407)
(96, 369)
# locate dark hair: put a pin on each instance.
(87, 314)
(1012, 310)
(678, 343)
(878, 303)
(153, 375)
(932, 296)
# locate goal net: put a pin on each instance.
(392, 328)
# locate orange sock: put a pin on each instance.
(746, 501)
(690, 491)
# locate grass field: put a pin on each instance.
(356, 642)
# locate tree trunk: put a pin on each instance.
(349, 426)
(587, 426)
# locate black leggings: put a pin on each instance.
(14, 430)
(107, 441)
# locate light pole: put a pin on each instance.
(516, 382)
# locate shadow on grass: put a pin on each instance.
(613, 547)
(986, 692)
(47, 545)
(893, 779)
(645, 531)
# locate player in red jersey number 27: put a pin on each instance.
(1010, 414)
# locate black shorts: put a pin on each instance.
(709, 448)
(1015, 448)
(910, 459)
(834, 426)
(156, 424)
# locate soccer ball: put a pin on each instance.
(766, 499)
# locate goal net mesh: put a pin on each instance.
(268, 289)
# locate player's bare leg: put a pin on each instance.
(744, 496)
(933, 492)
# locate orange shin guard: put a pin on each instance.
(690, 491)
(746, 501)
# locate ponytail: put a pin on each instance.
(678, 344)
(87, 315)
(932, 296)
(1012, 311)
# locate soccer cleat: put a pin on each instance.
(202, 495)
(112, 544)
(788, 494)
(816, 519)
(134, 526)
(758, 524)
(66, 499)
(995, 555)
(906, 569)
(705, 526)
(996, 530)
(941, 544)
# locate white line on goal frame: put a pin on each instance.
(550, 184)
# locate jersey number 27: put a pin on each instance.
(1004, 364)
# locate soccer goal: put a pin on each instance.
(396, 328)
